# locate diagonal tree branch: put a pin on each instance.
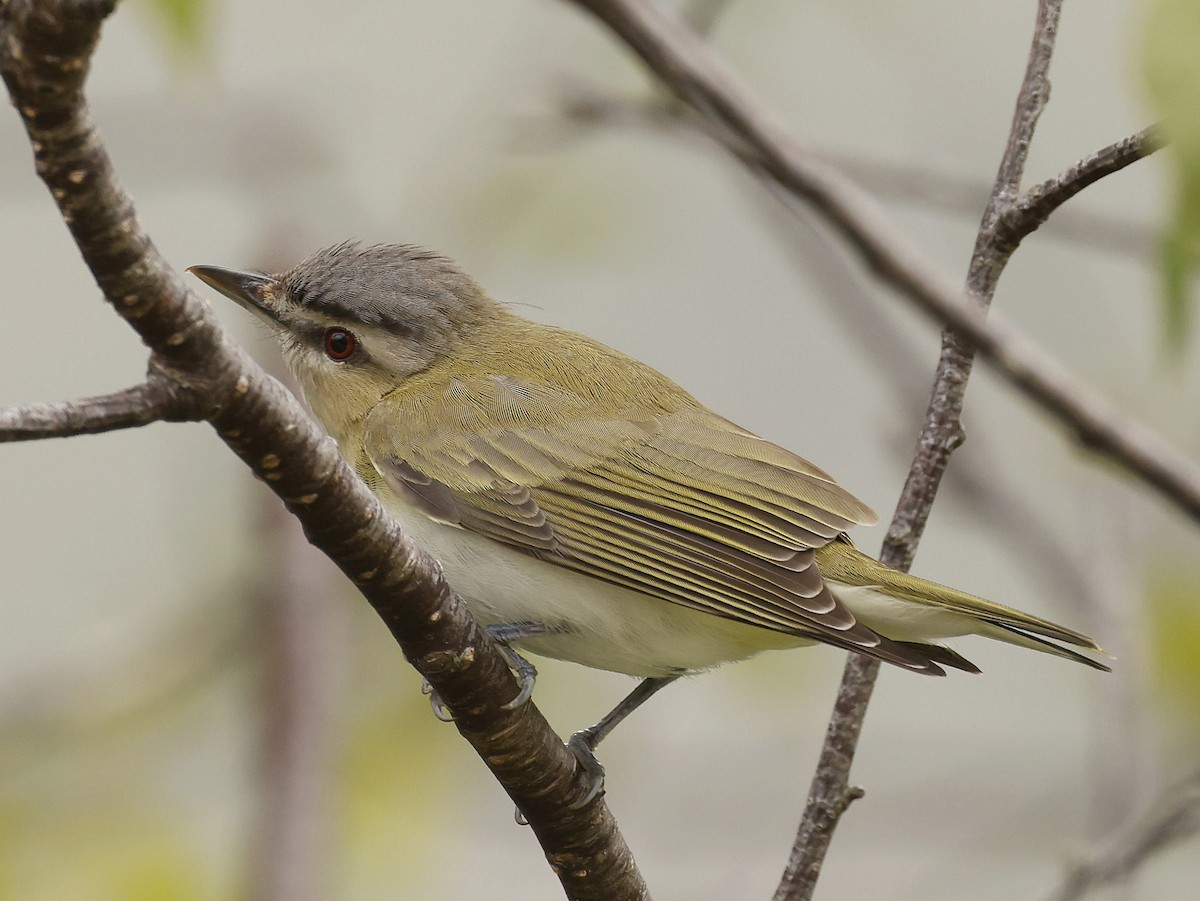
(45, 48)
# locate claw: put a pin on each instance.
(440, 710)
(502, 634)
(525, 671)
(582, 745)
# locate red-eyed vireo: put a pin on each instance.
(585, 506)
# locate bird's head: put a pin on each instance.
(354, 322)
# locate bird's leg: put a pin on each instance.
(526, 672)
(583, 743)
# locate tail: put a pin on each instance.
(917, 613)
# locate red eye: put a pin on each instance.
(340, 344)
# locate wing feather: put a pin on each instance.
(663, 545)
(681, 505)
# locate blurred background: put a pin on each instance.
(195, 706)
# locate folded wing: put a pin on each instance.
(680, 504)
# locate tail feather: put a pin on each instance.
(939, 653)
(914, 611)
(1013, 635)
(912, 656)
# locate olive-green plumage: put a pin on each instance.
(564, 483)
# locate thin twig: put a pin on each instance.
(157, 399)
(940, 436)
(994, 247)
(1031, 102)
(1035, 205)
(1174, 817)
(830, 793)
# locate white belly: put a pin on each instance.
(606, 626)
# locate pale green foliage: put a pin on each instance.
(1172, 70)
(1174, 622)
(184, 22)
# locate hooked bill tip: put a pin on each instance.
(253, 291)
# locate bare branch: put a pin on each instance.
(993, 249)
(830, 793)
(45, 49)
(940, 436)
(1175, 817)
(157, 399)
(1036, 204)
(1031, 101)
(585, 105)
(699, 77)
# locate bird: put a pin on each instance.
(584, 506)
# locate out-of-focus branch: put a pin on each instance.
(45, 50)
(68, 706)
(699, 77)
(158, 399)
(586, 106)
(302, 642)
(1175, 817)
